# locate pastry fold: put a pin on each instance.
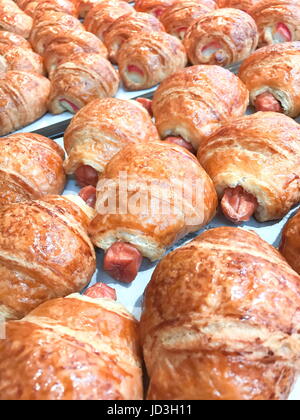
(275, 69)
(80, 80)
(261, 154)
(24, 99)
(221, 321)
(168, 196)
(146, 59)
(13, 19)
(31, 166)
(196, 101)
(222, 37)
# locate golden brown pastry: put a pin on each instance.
(13, 19)
(222, 37)
(53, 27)
(155, 7)
(20, 59)
(78, 42)
(168, 196)
(76, 348)
(221, 321)
(31, 166)
(254, 162)
(80, 80)
(23, 99)
(99, 131)
(35, 8)
(146, 59)
(9, 39)
(290, 242)
(277, 20)
(102, 15)
(244, 5)
(272, 76)
(194, 102)
(86, 5)
(128, 26)
(179, 17)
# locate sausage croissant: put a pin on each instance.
(99, 131)
(154, 7)
(23, 99)
(45, 252)
(31, 166)
(223, 37)
(244, 5)
(254, 162)
(146, 59)
(35, 8)
(13, 19)
(20, 59)
(149, 196)
(194, 102)
(272, 76)
(76, 348)
(80, 80)
(221, 321)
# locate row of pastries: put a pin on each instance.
(149, 42)
(220, 316)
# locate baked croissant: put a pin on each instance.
(80, 80)
(99, 131)
(254, 162)
(277, 20)
(146, 59)
(9, 39)
(272, 76)
(179, 17)
(45, 252)
(20, 59)
(128, 26)
(76, 348)
(53, 27)
(13, 19)
(86, 5)
(102, 15)
(35, 8)
(290, 242)
(244, 5)
(78, 42)
(31, 166)
(194, 102)
(222, 37)
(221, 321)
(163, 194)
(23, 99)
(155, 7)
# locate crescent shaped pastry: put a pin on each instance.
(154, 7)
(13, 19)
(128, 26)
(86, 5)
(9, 39)
(222, 37)
(277, 21)
(272, 76)
(35, 8)
(20, 59)
(80, 80)
(45, 252)
(220, 321)
(53, 27)
(146, 59)
(254, 162)
(76, 348)
(194, 102)
(78, 42)
(31, 166)
(103, 127)
(244, 5)
(179, 17)
(290, 242)
(102, 15)
(23, 99)
(174, 197)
